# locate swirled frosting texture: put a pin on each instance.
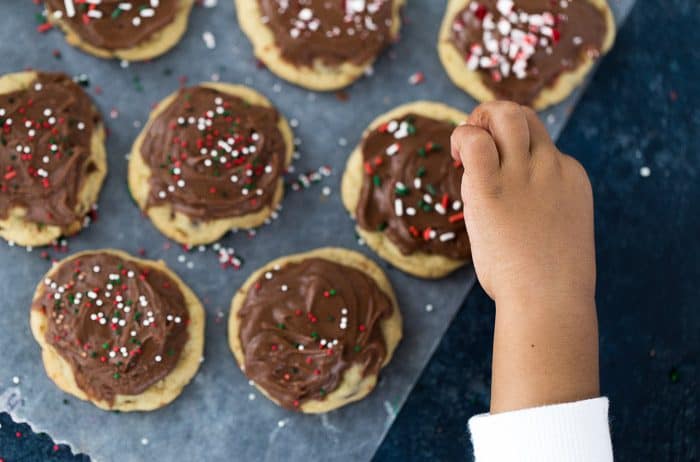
(45, 142)
(120, 325)
(115, 24)
(520, 47)
(411, 187)
(334, 32)
(212, 155)
(304, 324)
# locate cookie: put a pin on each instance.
(533, 52)
(124, 333)
(313, 330)
(317, 44)
(52, 157)
(403, 188)
(132, 30)
(210, 159)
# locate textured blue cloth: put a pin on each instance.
(642, 110)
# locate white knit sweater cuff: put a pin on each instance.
(572, 432)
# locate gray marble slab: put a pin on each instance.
(219, 415)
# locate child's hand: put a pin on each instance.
(529, 212)
(528, 208)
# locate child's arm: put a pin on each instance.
(529, 212)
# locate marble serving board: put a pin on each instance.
(219, 416)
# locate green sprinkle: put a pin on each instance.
(401, 191)
(281, 326)
(421, 171)
(382, 226)
(376, 180)
(674, 375)
(421, 152)
(116, 375)
(116, 13)
(431, 189)
(105, 346)
(357, 348)
(332, 292)
(314, 335)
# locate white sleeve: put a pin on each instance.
(572, 432)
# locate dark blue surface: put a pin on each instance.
(643, 109)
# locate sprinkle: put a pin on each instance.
(209, 40)
(398, 207)
(417, 78)
(70, 8)
(645, 172)
(447, 237)
(428, 307)
(456, 217)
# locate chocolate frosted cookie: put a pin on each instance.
(403, 188)
(134, 30)
(533, 52)
(318, 44)
(210, 159)
(313, 330)
(52, 157)
(124, 333)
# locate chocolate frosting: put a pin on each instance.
(213, 155)
(304, 324)
(411, 187)
(120, 325)
(115, 24)
(336, 32)
(45, 143)
(521, 47)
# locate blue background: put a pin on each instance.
(642, 109)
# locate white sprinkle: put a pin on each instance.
(645, 172)
(158, 358)
(15, 380)
(306, 14)
(209, 40)
(281, 423)
(251, 396)
(144, 441)
(70, 8)
(393, 149)
(398, 207)
(447, 237)
(428, 307)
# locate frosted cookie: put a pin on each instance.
(52, 157)
(124, 333)
(533, 52)
(318, 44)
(313, 330)
(402, 187)
(134, 30)
(210, 159)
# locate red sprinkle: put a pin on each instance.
(456, 217)
(44, 27)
